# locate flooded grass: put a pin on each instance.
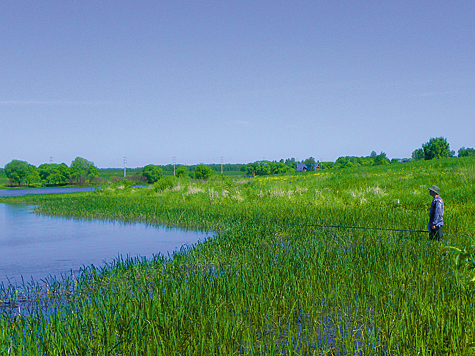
(267, 283)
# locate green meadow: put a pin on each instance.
(299, 264)
(3, 178)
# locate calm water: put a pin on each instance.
(20, 192)
(35, 246)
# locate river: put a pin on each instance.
(36, 247)
(36, 191)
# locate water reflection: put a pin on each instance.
(35, 246)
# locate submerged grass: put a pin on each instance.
(268, 283)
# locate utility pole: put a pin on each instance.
(50, 160)
(125, 165)
(174, 163)
(221, 165)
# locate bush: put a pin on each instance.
(152, 172)
(167, 182)
(202, 172)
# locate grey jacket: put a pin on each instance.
(436, 214)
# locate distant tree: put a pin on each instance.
(327, 165)
(279, 168)
(466, 152)
(32, 177)
(152, 172)
(181, 171)
(367, 161)
(202, 171)
(54, 174)
(437, 148)
(381, 159)
(348, 161)
(373, 154)
(262, 168)
(310, 162)
(342, 162)
(291, 162)
(80, 169)
(17, 171)
(418, 154)
(92, 173)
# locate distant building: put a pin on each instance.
(302, 167)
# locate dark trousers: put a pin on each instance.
(436, 234)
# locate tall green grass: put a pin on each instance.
(268, 282)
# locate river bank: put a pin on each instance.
(270, 282)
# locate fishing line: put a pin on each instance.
(364, 228)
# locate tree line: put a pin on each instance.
(82, 171)
(79, 172)
(438, 147)
(153, 173)
(435, 148)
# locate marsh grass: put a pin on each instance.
(268, 283)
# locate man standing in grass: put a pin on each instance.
(436, 215)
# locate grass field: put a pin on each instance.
(270, 282)
(3, 178)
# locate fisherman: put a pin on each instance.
(436, 215)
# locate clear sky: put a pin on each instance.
(242, 80)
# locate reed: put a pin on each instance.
(268, 283)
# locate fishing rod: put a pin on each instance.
(365, 228)
(353, 227)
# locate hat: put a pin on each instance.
(435, 189)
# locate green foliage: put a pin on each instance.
(92, 173)
(80, 168)
(32, 178)
(418, 154)
(181, 171)
(466, 152)
(351, 161)
(54, 174)
(3, 177)
(437, 148)
(22, 172)
(464, 259)
(310, 161)
(291, 162)
(202, 171)
(327, 165)
(231, 169)
(164, 183)
(17, 171)
(263, 168)
(269, 281)
(381, 159)
(152, 172)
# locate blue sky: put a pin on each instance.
(241, 80)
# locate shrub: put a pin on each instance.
(167, 182)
